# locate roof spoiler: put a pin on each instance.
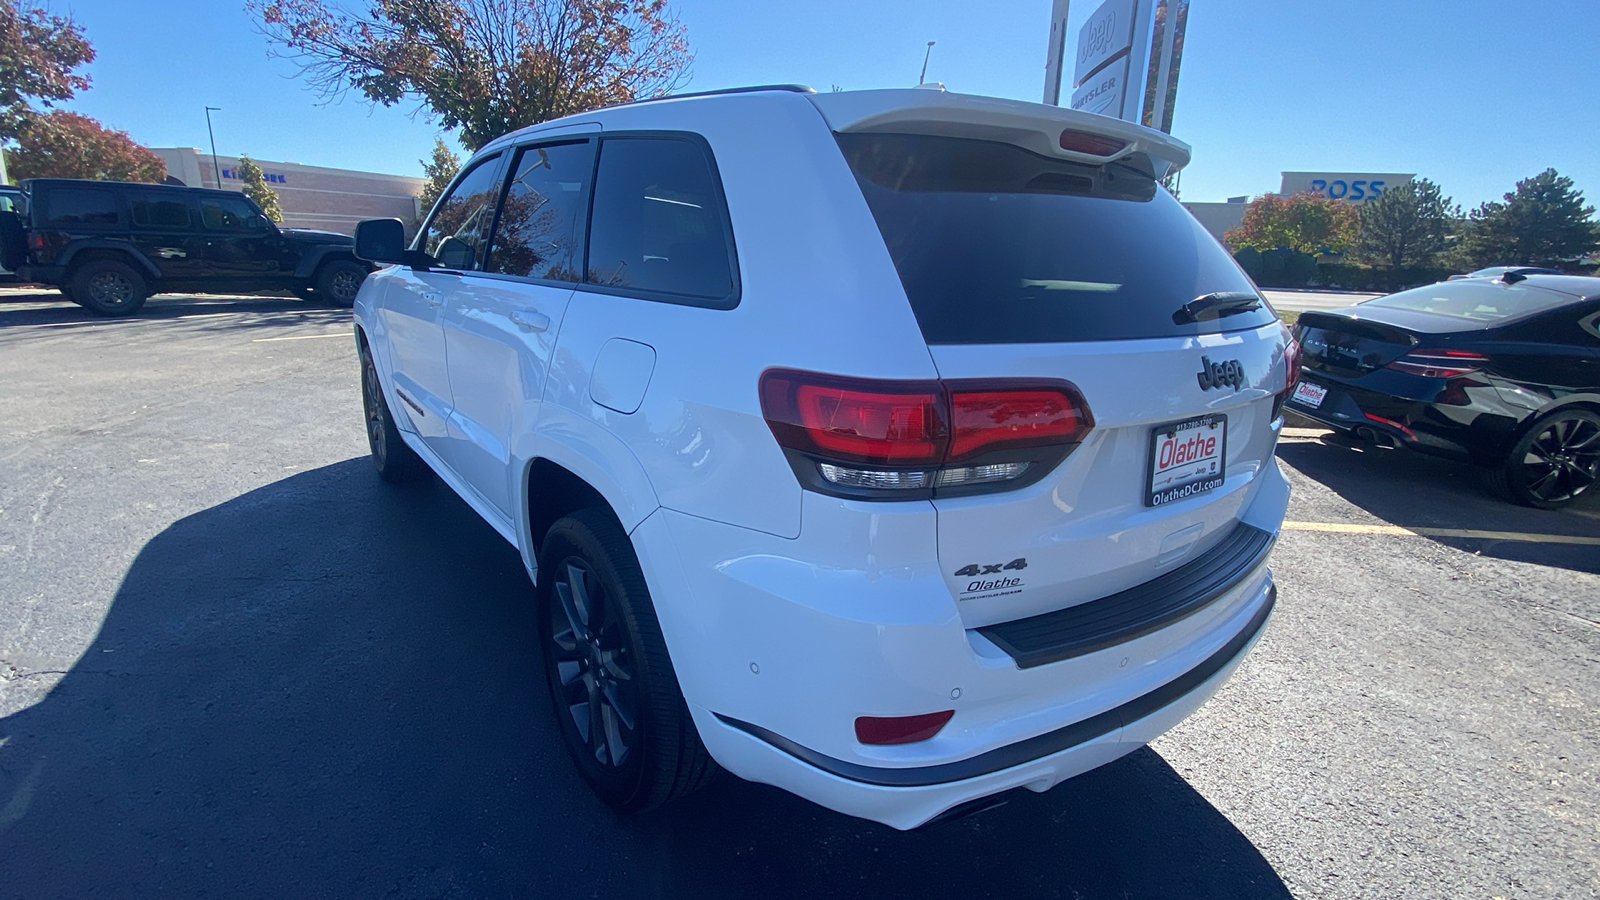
(1045, 130)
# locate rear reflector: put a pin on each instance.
(1439, 363)
(861, 437)
(1091, 143)
(900, 729)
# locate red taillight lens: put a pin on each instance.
(1091, 143)
(901, 729)
(871, 425)
(37, 242)
(1292, 368)
(1439, 363)
(981, 420)
(866, 438)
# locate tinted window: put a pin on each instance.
(540, 232)
(76, 206)
(659, 223)
(156, 212)
(227, 213)
(461, 218)
(1479, 301)
(995, 244)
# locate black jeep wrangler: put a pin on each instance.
(109, 245)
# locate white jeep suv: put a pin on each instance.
(897, 448)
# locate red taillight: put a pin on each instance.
(1440, 363)
(1091, 143)
(1292, 368)
(37, 242)
(901, 729)
(871, 425)
(869, 438)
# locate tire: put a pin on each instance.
(108, 287)
(396, 463)
(1555, 461)
(66, 294)
(13, 241)
(339, 281)
(605, 662)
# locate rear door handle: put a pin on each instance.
(433, 298)
(528, 320)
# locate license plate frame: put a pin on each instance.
(1193, 477)
(1309, 394)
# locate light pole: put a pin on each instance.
(213, 136)
(928, 53)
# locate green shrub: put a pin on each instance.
(1354, 277)
(1249, 259)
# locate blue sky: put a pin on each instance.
(1471, 93)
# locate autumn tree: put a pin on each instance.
(255, 187)
(62, 144)
(1406, 225)
(444, 167)
(1308, 223)
(1544, 222)
(40, 54)
(484, 67)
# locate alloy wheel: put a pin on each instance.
(345, 286)
(111, 289)
(597, 687)
(372, 395)
(1563, 461)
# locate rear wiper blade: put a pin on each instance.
(1218, 304)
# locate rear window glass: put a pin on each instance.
(658, 222)
(154, 212)
(995, 244)
(76, 206)
(1477, 301)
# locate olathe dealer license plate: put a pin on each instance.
(1186, 458)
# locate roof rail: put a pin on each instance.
(750, 89)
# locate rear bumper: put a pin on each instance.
(907, 796)
(1474, 428)
(40, 274)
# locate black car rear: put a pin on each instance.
(1504, 373)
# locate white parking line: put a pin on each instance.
(1357, 528)
(301, 337)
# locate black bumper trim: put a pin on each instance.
(1139, 610)
(1030, 749)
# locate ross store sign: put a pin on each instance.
(1352, 187)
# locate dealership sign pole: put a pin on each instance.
(1126, 61)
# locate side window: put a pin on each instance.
(540, 231)
(159, 212)
(227, 213)
(76, 206)
(658, 221)
(461, 218)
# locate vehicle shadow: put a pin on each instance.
(243, 311)
(1414, 490)
(330, 687)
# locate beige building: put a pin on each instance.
(310, 196)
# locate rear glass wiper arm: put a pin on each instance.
(1218, 304)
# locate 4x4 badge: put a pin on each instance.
(1217, 374)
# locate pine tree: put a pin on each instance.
(1406, 225)
(443, 168)
(255, 187)
(1544, 222)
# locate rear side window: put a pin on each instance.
(1477, 301)
(227, 214)
(158, 212)
(78, 206)
(461, 219)
(540, 230)
(996, 245)
(659, 224)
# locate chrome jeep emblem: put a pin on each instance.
(1217, 374)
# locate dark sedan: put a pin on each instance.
(1504, 373)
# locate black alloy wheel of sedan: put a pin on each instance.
(1555, 462)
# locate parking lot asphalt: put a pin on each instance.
(1301, 301)
(234, 663)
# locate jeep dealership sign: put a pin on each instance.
(1126, 59)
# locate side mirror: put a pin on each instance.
(381, 241)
